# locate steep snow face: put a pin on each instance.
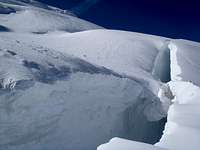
(183, 118)
(179, 97)
(185, 64)
(29, 18)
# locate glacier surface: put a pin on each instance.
(68, 84)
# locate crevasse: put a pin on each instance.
(179, 97)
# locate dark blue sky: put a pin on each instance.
(170, 18)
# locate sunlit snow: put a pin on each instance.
(68, 84)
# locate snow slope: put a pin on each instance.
(69, 90)
(25, 17)
(131, 54)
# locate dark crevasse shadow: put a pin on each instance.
(138, 127)
(162, 68)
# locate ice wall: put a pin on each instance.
(179, 97)
(185, 62)
(182, 130)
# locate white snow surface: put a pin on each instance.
(29, 18)
(183, 124)
(71, 92)
(122, 144)
(185, 61)
(67, 84)
(131, 54)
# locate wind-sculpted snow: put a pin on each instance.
(133, 111)
(47, 91)
(62, 115)
(31, 3)
(31, 18)
(44, 65)
(127, 53)
(45, 95)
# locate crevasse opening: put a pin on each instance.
(161, 69)
(139, 126)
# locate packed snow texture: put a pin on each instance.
(183, 118)
(185, 61)
(122, 144)
(28, 18)
(131, 54)
(69, 90)
(180, 98)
